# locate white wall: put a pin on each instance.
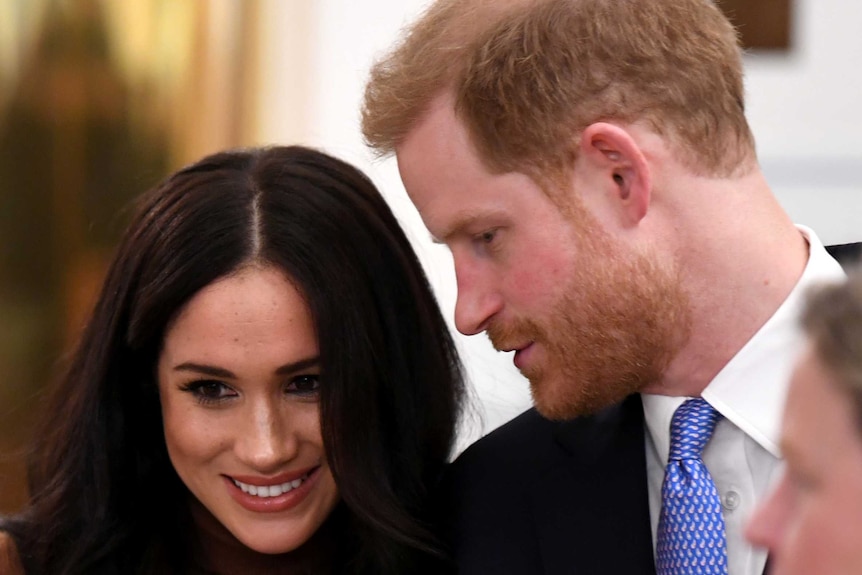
(805, 108)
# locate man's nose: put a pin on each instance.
(478, 300)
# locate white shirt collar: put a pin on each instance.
(767, 359)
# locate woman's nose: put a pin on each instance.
(265, 441)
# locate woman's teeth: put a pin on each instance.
(269, 490)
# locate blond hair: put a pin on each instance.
(833, 322)
(528, 76)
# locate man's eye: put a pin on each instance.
(487, 237)
(304, 385)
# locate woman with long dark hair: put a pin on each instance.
(266, 385)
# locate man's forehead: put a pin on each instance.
(438, 121)
(436, 153)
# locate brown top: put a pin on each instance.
(217, 552)
(9, 562)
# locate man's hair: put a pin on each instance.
(529, 75)
(833, 322)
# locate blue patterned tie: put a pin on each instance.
(691, 538)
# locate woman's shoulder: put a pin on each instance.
(10, 563)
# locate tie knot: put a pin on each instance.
(691, 427)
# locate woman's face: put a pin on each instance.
(238, 380)
(812, 520)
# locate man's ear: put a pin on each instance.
(617, 162)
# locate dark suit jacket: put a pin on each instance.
(547, 498)
(846, 254)
(537, 497)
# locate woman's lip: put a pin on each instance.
(277, 503)
(275, 479)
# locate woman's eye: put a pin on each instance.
(208, 391)
(304, 385)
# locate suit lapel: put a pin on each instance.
(593, 511)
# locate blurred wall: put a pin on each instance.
(804, 104)
(99, 100)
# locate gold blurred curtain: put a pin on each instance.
(99, 99)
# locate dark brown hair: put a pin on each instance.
(104, 494)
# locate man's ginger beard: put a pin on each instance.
(618, 322)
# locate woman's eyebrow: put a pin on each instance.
(215, 371)
(205, 369)
(299, 365)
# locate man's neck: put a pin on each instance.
(739, 260)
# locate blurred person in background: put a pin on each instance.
(265, 385)
(812, 520)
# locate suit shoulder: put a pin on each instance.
(525, 444)
(514, 501)
(530, 445)
(485, 497)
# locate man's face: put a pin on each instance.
(812, 520)
(589, 319)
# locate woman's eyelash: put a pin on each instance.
(211, 391)
(208, 391)
(304, 385)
